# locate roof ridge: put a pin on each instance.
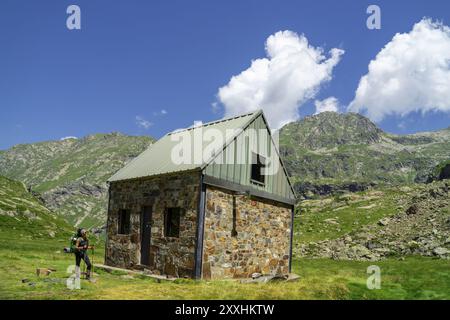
(216, 122)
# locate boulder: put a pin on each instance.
(414, 209)
(384, 221)
(440, 251)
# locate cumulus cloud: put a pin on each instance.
(410, 74)
(328, 104)
(291, 74)
(143, 123)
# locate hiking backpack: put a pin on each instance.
(73, 241)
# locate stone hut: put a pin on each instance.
(210, 201)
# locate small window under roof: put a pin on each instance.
(258, 164)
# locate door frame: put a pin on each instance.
(146, 234)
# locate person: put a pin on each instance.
(81, 247)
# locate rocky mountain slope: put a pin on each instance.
(373, 225)
(331, 152)
(24, 216)
(70, 175)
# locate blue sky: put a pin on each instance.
(136, 58)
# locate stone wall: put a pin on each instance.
(171, 256)
(262, 242)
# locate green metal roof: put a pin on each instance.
(156, 160)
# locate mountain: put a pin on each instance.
(332, 152)
(24, 216)
(325, 154)
(70, 175)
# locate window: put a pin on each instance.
(124, 221)
(258, 164)
(172, 222)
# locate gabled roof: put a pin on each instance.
(156, 160)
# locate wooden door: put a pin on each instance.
(146, 228)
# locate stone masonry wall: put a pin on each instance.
(171, 256)
(262, 243)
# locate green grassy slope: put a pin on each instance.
(334, 216)
(71, 174)
(22, 216)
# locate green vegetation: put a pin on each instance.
(441, 171)
(412, 278)
(71, 174)
(334, 216)
(22, 216)
(92, 159)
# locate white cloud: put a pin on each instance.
(197, 123)
(215, 107)
(328, 104)
(142, 123)
(161, 112)
(68, 138)
(411, 73)
(291, 74)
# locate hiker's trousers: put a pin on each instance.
(85, 257)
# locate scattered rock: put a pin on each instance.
(292, 277)
(156, 272)
(272, 278)
(331, 221)
(279, 277)
(373, 205)
(44, 271)
(414, 209)
(440, 251)
(421, 229)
